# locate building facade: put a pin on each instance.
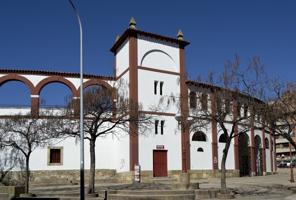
(284, 151)
(153, 67)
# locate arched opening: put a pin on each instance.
(98, 100)
(243, 153)
(258, 156)
(266, 141)
(15, 98)
(223, 138)
(200, 149)
(54, 99)
(199, 136)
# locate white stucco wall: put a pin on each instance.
(15, 111)
(71, 152)
(122, 86)
(230, 163)
(123, 152)
(171, 139)
(146, 90)
(122, 58)
(106, 154)
(35, 79)
(158, 54)
(76, 81)
(268, 163)
(201, 160)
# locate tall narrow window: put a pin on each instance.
(204, 102)
(245, 110)
(266, 143)
(219, 104)
(155, 87)
(227, 105)
(239, 109)
(156, 126)
(161, 86)
(162, 127)
(192, 100)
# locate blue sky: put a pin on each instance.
(44, 35)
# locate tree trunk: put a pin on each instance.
(27, 177)
(223, 167)
(91, 185)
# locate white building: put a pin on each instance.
(153, 66)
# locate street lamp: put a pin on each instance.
(291, 165)
(82, 191)
(291, 160)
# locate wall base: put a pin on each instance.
(56, 177)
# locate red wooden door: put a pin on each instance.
(160, 167)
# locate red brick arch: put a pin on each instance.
(15, 77)
(96, 82)
(104, 84)
(55, 79)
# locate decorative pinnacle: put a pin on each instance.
(117, 38)
(180, 35)
(132, 23)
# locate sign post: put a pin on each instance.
(137, 173)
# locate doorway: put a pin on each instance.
(244, 160)
(160, 167)
(258, 156)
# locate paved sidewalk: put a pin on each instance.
(270, 187)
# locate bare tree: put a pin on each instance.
(234, 100)
(281, 112)
(105, 114)
(25, 134)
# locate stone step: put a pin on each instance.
(151, 197)
(206, 193)
(149, 192)
(57, 198)
(68, 194)
(54, 188)
(165, 180)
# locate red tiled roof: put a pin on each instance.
(55, 73)
(130, 31)
(215, 87)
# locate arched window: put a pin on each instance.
(266, 143)
(257, 141)
(199, 136)
(200, 149)
(192, 100)
(222, 138)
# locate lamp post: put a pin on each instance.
(291, 161)
(291, 166)
(82, 191)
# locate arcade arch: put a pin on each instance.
(244, 154)
(17, 97)
(258, 156)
